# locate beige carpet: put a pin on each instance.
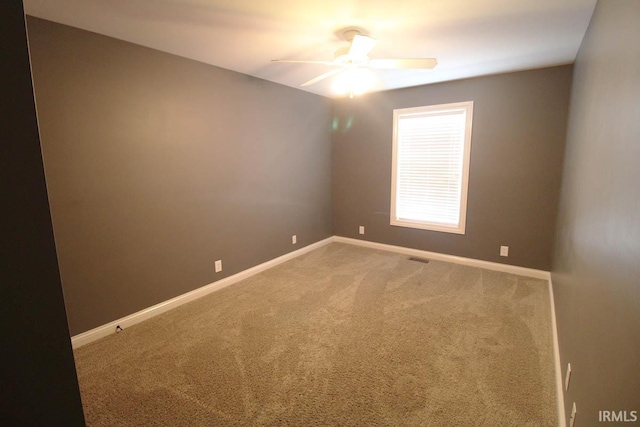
(342, 336)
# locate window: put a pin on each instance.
(430, 172)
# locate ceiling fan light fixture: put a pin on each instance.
(353, 75)
(353, 81)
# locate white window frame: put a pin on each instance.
(466, 154)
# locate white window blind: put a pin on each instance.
(431, 149)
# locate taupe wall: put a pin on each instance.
(157, 166)
(38, 385)
(596, 268)
(516, 161)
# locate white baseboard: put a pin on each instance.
(556, 355)
(110, 328)
(124, 322)
(521, 271)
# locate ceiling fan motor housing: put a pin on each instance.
(342, 54)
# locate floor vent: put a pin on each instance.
(422, 260)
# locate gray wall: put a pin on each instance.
(596, 268)
(516, 162)
(157, 166)
(38, 384)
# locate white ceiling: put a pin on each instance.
(468, 37)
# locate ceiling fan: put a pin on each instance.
(354, 65)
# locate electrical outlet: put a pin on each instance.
(572, 420)
(568, 377)
(361, 229)
(294, 239)
(218, 266)
(504, 250)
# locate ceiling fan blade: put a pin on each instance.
(306, 62)
(360, 47)
(426, 63)
(321, 77)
